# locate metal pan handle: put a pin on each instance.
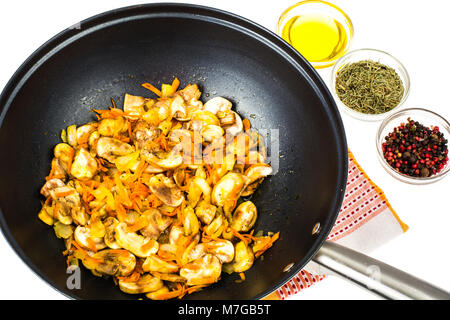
(375, 275)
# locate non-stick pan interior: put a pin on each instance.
(225, 55)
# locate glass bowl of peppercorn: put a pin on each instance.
(412, 146)
(369, 84)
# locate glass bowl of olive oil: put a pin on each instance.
(319, 30)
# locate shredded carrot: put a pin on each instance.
(166, 256)
(56, 209)
(152, 89)
(173, 294)
(140, 190)
(85, 254)
(154, 201)
(64, 193)
(175, 84)
(246, 124)
(243, 237)
(92, 245)
(69, 163)
(268, 244)
(113, 104)
(86, 208)
(134, 277)
(192, 289)
(120, 211)
(112, 113)
(76, 245)
(142, 165)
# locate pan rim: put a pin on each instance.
(99, 21)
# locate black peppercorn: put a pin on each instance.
(416, 150)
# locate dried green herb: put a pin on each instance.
(369, 87)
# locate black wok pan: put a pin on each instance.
(113, 53)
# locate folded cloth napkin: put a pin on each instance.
(366, 221)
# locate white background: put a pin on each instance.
(416, 32)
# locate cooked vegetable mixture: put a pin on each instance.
(151, 195)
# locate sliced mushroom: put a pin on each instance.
(68, 206)
(167, 250)
(193, 252)
(64, 153)
(205, 270)
(212, 132)
(255, 157)
(191, 224)
(178, 109)
(110, 224)
(151, 168)
(127, 162)
(217, 104)
(63, 230)
(226, 118)
(162, 109)
(83, 238)
(46, 215)
(244, 217)
(144, 133)
(84, 132)
(235, 128)
(216, 227)
(157, 223)
(166, 190)
(165, 160)
(146, 283)
(160, 294)
(112, 127)
(221, 248)
(257, 172)
(190, 93)
(135, 243)
(110, 148)
(58, 170)
(153, 263)
(198, 188)
(227, 191)
(133, 106)
(243, 258)
(206, 117)
(176, 236)
(84, 166)
(92, 142)
(171, 277)
(72, 135)
(205, 212)
(108, 262)
(50, 185)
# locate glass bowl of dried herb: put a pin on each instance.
(369, 84)
(412, 145)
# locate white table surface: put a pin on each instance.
(416, 32)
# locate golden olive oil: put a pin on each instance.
(317, 37)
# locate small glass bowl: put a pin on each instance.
(377, 56)
(424, 117)
(313, 7)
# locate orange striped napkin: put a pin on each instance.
(366, 221)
